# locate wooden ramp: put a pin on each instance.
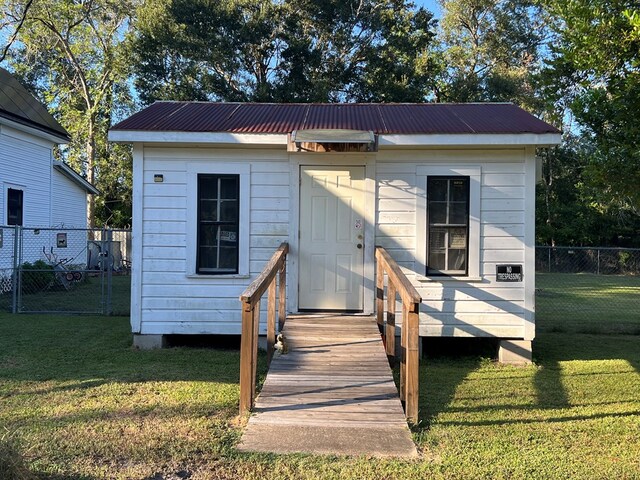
(332, 393)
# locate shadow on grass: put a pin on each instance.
(440, 376)
(88, 351)
(552, 348)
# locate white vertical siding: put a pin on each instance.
(26, 162)
(68, 202)
(482, 307)
(171, 300)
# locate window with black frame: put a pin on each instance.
(447, 225)
(15, 206)
(218, 223)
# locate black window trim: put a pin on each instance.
(20, 221)
(214, 272)
(445, 273)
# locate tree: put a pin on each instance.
(11, 25)
(70, 52)
(570, 210)
(492, 50)
(294, 50)
(595, 70)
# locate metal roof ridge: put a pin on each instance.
(332, 103)
(384, 124)
(451, 110)
(185, 104)
(305, 117)
(228, 117)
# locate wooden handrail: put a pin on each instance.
(250, 298)
(262, 281)
(399, 284)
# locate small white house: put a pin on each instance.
(448, 189)
(35, 189)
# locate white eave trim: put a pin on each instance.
(57, 139)
(71, 174)
(469, 139)
(386, 141)
(132, 136)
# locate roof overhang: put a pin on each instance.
(26, 128)
(467, 139)
(384, 141)
(72, 175)
(227, 138)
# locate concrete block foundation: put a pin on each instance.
(149, 342)
(514, 352)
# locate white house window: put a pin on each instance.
(218, 223)
(15, 206)
(447, 225)
(448, 222)
(218, 213)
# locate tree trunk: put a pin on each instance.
(91, 153)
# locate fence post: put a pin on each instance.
(110, 265)
(549, 262)
(246, 359)
(271, 320)
(412, 362)
(598, 272)
(282, 296)
(17, 232)
(380, 295)
(390, 334)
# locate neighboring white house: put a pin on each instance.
(448, 189)
(35, 189)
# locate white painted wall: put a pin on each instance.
(68, 202)
(50, 198)
(166, 298)
(461, 307)
(171, 299)
(26, 163)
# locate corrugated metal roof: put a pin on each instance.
(381, 118)
(18, 105)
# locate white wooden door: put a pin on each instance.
(331, 246)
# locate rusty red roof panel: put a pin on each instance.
(354, 116)
(417, 119)
(499, 118)
(196, 117)
(147, 119)
(265, 118)
(426, 118)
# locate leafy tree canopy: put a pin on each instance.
(594, 69)
(70, 52)
(491, 49)
(282, 51)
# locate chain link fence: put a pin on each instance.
(63, 270)
(588, 289)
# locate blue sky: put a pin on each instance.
(431, 5)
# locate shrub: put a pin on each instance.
(36, 276)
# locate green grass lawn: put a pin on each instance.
(587, 303)
(86, 296)
(77, 402)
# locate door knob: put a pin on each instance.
(359, 245)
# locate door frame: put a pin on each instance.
(298, 160)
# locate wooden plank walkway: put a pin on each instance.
(332, 393)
